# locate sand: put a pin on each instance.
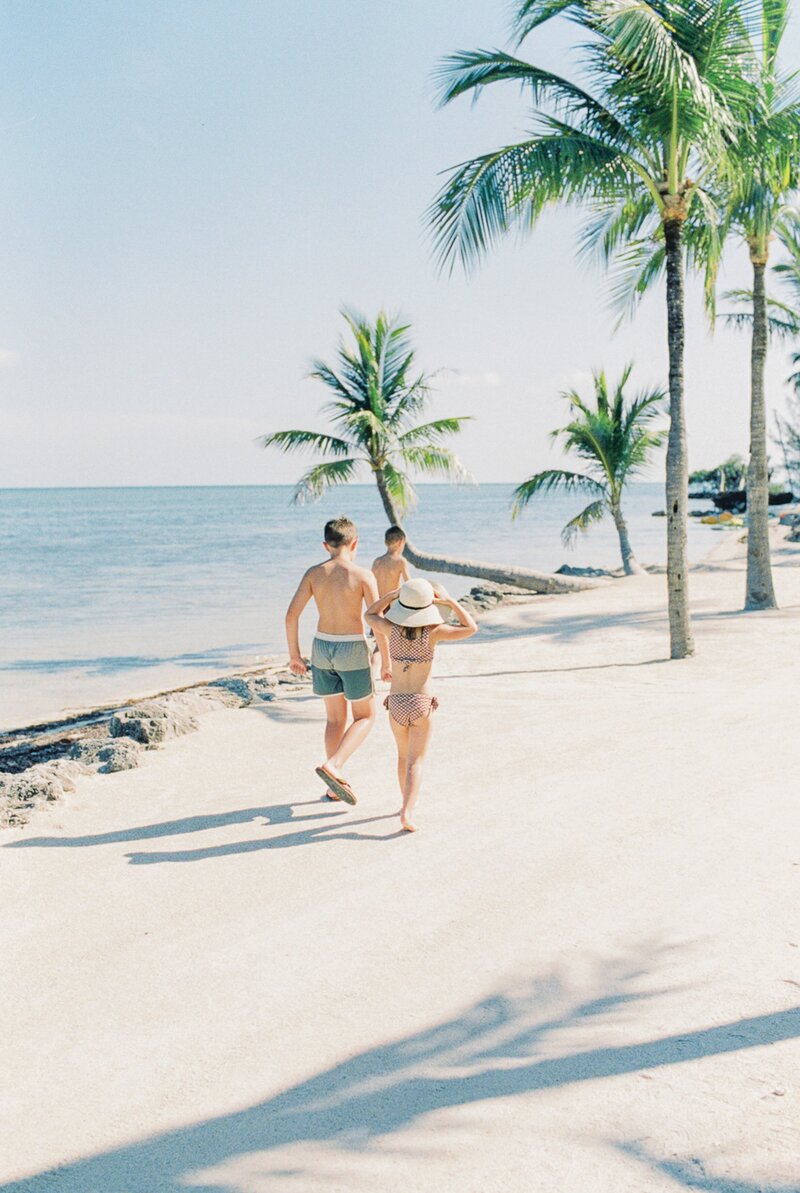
(583, 973)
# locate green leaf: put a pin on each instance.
(291, 441)
(322, 477)
(547, 481)
(594, 512)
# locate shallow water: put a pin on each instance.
(109, 593)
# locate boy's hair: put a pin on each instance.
(395, 534)
(340, 532)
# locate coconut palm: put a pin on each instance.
(376, 398)
(615, 438)
(665, 82)
(375, 402)
(762, 171)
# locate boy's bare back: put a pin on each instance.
(340, 589)
(390, 571)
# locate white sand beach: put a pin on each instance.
(582, 974)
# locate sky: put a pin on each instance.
(191, 189)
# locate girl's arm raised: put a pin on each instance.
(455, 633)
(374, 615)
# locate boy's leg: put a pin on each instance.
(363, 720)
(335, 722)
(335, 725)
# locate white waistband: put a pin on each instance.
(339, 637)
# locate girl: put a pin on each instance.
(409, 617)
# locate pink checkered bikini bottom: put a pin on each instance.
(406, 708)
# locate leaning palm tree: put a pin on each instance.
(376, 398)
(665, 83)
(615, 439)
(762, 171)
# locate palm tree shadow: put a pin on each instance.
(692, 1174)
(499, 1047)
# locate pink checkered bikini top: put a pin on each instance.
(410, 650)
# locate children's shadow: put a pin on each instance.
(317, 835)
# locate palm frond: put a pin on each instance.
(322, 477)
(530, 14)
(433, 432)
(783, 321)
(400, 486)
(594, 512)
(469, 71)
(435, 461)
(483, 198)
(550, 479)
(293, 441)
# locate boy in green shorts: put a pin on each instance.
(340, 663)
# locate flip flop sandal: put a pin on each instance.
(340, 786)
(332, 797)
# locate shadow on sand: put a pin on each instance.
(499, 1047)
(692, 1173)
(275, 814)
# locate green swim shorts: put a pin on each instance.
(340, 664)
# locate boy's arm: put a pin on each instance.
(406, 572)
(296, 606)
(371, 599)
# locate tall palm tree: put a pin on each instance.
(762, 171)
(666, 81)
(616, 440)
(376, 396)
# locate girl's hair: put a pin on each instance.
(412, 631)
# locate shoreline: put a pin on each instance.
(42, 761)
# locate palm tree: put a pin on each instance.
(666, 78)
(376, 396)
(762, 171)
(616, 440)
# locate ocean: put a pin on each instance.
(111, 593)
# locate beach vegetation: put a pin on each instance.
(760, 174)
(636, 148)
(615, 438)
(376, 398)
(728, 475)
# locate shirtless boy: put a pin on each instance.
(390, 571)
(340, 662)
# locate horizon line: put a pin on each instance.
(259, 485)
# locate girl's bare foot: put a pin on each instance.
(332, 796)
(407, 823)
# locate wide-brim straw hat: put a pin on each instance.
(414, 606)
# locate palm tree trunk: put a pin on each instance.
(540, 582)
(630, 564)
(760, 593)
(680, 629)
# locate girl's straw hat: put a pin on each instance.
(414, 606)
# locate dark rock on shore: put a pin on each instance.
(39, 763)
(488, 596)
(244, 689)
(567, 570)
(151, 722)
(42, 783)
(107, 756)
